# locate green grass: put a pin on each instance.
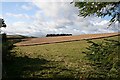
(58, 60)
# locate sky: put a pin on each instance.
(33, 18)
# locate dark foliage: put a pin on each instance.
(100, 9)
(6, 54)
(53, 35)
(104, 57)
(2, 23)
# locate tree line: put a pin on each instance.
(53, 35)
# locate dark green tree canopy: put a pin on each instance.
(2, 23)
(100, 9)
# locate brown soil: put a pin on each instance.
(48, 40)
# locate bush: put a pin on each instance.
(104, 58)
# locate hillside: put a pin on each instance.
(58, 60)
(17, 37)
(48, 40)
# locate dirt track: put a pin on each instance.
(48, 40)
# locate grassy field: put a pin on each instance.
(58, 60)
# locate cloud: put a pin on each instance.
(38, 0)
(23, 16)
(27, 7)
(1, 16)
(102, 23)
(16, 0)
(57, 17)
(63, 18)
(57, 9)
(22, 28)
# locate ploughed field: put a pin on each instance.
(58, 60)
(48, 40)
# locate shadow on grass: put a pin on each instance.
(34, 68)
(17, 66)
(31, 68)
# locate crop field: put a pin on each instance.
(57, 60)
(48, 40)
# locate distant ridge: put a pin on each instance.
(18, 37)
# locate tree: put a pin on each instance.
(100, 9)
(2, 23)
(104, 58)
(104, 55)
